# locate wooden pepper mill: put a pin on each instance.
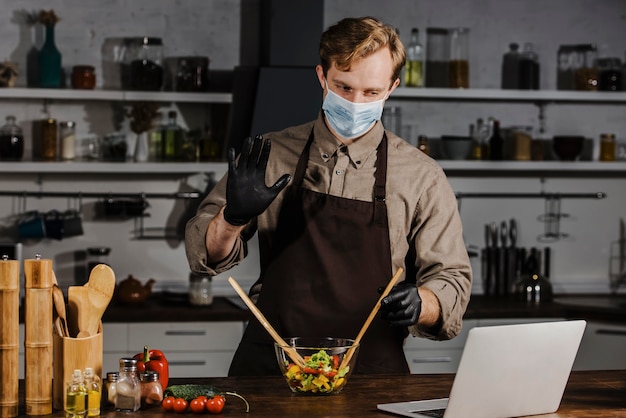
(38, 280)
(9, 336)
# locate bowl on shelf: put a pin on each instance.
(568, 147)
(323, 357)
(456, 147)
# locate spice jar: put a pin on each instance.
(151, 389)
(607, 147)
(109, 387)
(48, 140)
(83, 77)
(127, 388)
(200, 289)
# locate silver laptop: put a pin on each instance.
(506, 371)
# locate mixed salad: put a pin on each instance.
(320, 374)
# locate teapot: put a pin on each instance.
(132, 291)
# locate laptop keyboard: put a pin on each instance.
(435, 413)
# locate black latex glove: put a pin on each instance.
(247, 195)
(402, 306)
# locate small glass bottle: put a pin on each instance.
(94, 392)
(109, 390)
(11, 141)
(67, 133)
(414, 73)
(151, 389)
(459, 58)
(172, 138)
(607, 147)
(127, 388)
(422, 144)
(496, 143)
(200, 289)
(75, 396)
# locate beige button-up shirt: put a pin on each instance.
(424, 222)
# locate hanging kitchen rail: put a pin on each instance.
(540, 195)
(102, 195)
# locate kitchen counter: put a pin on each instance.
(595, 394)
(161, 308)
(167, 308)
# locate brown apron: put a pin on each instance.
(329, 258)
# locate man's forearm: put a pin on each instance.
(430, 315)
(221, 238)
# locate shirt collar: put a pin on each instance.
(359, 150)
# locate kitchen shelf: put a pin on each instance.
(84, 167)
(113, 95)
(451, 167)
(508, 95)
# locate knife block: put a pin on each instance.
(71, 354)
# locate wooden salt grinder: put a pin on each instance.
(38, 280)
(9, 336)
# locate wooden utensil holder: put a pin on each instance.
(71, 354)
(9, 337)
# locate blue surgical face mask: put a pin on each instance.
(348, 119)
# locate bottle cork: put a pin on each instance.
(38, 280)
(9, 336)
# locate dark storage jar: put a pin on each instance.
(83, 77)
(11, 141)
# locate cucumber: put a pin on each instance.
(189, 392)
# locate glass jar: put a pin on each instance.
(607, 147)
(458, 70)
(609, 74)
(151, 389)
(67, 133)
(192, 74)
(437, 57)
(127, 388)
(144, 58)
(585, 70)
(109, 387)
(49, 141)
(200, 289)
(83, 77)
(11, 141)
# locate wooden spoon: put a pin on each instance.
(79, 311)
(368, 321)
(100, 289)
(59, 305)
(291, 352)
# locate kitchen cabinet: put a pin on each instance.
(603, 347)
(193, 349)
(427, 356)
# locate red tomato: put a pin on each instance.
(180, 405)
(168, 403)
(202, 398)
(197, 405)
(215, 405)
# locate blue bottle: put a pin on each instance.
(49, 62)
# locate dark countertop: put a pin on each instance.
(166, 308)
(595, 394)
(160, 308)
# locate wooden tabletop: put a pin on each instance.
(595, 394)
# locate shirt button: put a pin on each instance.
(324, 155)
(358, 162)
(338, 172)
(343, 149)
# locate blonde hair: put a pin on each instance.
(352, 39)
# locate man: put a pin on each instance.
(348, 205)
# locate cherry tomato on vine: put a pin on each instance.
(180, 405)
(215, 405)
(197, 405)
(168, 403)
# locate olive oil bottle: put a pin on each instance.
(94, 392)
(76, 396)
